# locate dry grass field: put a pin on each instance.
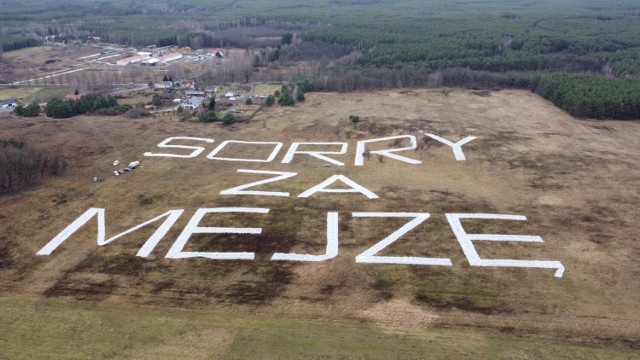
(576, 181)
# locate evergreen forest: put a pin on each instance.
(583, 55)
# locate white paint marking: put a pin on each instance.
(362, 147)
(369, 255)
(145, 250)
(457, 147)
(355, 187)
(240, 190)
(332, 244)
(175, 252)
(316, 154)
(471, 253)
(197, 150)
(276, 149)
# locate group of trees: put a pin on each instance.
(211, 116)
(17, 43)
(285, 97)
(30, 110)
(592, 97)
(22, 165)
(57, 108)
(559, 41)
(584, 96)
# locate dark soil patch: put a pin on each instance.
(5, 256)
(92, 290)
(459, 301)
(274, 279)
(121, 264)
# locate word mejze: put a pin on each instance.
(369, 256)
(295, 148)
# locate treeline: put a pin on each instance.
(11, 43)
(22, 165)
(313, 50)
(556, 42)
(581, 95)
(57, 108)
(592, 97)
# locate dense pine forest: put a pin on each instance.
(584, 55)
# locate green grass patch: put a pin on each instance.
(265, 89)
(26, 95)
(53, 328)
(26, 51)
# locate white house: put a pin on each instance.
(192, 103)
(163, 85)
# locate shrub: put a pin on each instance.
(228, 119)
(270, 100)
(122, 108)
(248, 101)
(286, 99)
(136, 112)
(108, 112)
(208, 116)
(354, 118)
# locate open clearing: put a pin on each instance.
(26, 51)
(576, 181)
(27, 95)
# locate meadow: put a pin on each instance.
(571, 178)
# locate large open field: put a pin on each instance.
(576, 181)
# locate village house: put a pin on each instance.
(163, 85)
(74, 96)
(188, 84)
(192, 103)
(9, 101)
(197, 93)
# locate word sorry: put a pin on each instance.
(294, 149)
(369, 256)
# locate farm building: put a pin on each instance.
(151, 61)
(131, 60)
(170, 57)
